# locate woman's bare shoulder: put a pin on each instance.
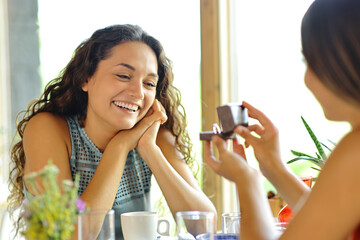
(348, 147)
(46, 123)
(46, 136)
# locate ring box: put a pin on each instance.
(230, 116)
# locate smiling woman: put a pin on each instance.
(78, 123)
(165, 19)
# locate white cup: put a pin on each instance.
(231, 222)
(142, 225)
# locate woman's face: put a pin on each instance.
(123, 88)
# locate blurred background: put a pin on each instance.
(222, 51)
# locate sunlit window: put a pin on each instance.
(270, 71)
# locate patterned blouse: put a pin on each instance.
(133, 193)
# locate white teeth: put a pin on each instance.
(128, 106)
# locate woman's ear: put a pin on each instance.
(84, 86)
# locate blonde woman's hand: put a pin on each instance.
(264, 138)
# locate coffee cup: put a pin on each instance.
(143, 225)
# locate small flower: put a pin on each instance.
(80, 205)
(67, 185)
(27, 214)
(45, 223)
(50, 169)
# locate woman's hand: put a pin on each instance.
(265, 141)
(148, 139)
(129, 139)
(230, 165)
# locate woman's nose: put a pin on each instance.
(136, 89)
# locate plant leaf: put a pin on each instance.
(333, 143)
(315, 140)
(299, 154)
(317, 169)
(318, 161)
(328, 148)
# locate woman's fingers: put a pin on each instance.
(158, 107)
(219, 143)
(209, 156)
(258, 129)
(238, 148)
(246, 134)
(257, 114)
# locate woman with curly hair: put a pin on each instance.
(113, 116)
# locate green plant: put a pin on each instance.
(320, 156)
(52, 212)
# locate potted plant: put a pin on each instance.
(320, 156)
(319, 159)
(52, 212)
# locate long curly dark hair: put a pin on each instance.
(63, 96)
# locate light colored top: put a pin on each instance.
(134, 190)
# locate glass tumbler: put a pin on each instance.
(97, 224)
(231, 222)
(195, 225)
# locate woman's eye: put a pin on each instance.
(123, 76)
(150, 84)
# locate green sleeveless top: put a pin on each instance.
(134, 189)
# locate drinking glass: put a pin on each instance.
(231, 222)
(195, 225)
(97, 224)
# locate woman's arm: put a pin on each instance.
(256, 217)
(331, 210)
(173, 175)
(180, 189)
(264, 138)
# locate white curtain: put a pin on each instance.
(4, 101)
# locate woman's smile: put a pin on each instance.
(127, 106)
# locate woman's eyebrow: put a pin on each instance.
(127, 66)
(133, 69)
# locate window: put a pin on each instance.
(269, 74)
